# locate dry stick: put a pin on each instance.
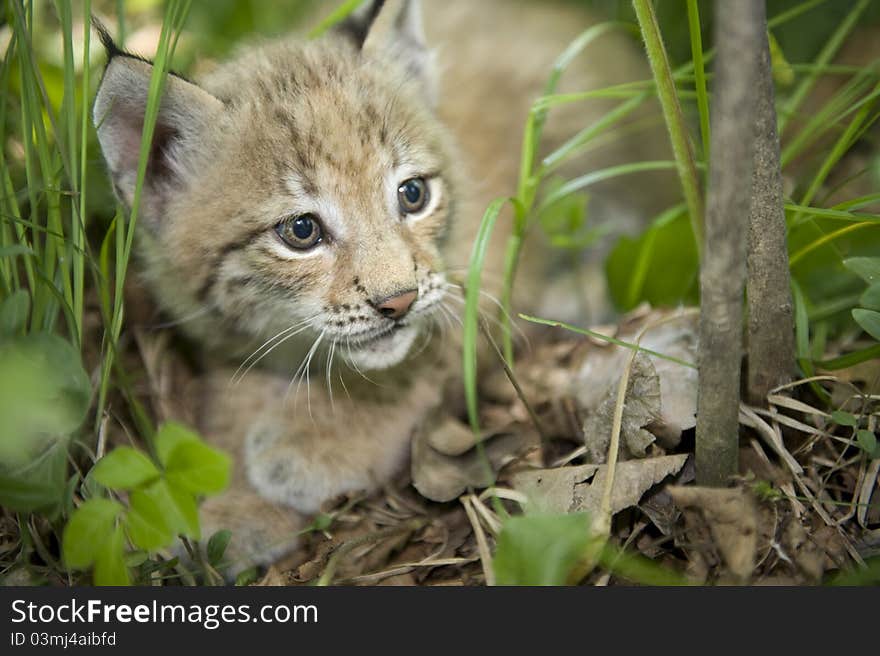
(771, 349)
(482, 543)
(344, 549)
(723, 267)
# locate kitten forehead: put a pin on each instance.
(323, 104)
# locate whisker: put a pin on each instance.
(302, 371)
(329, 380)
(282, 337)
(353, 364)
(429, 334)
(457, 293)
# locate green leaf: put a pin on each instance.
(125, 468)
(110, 566)
(44, 396)
(90, 526)
(867, 268)
(146, 523)
(217, 546)
(22, 495)
(868, 441)
(638, 569)
(14, 313)
(844, 418)
(783, 73)
(198, 468)
(661, 266)
(541, 549)
(247, 577)
(39, 484)
(169, 436)
(869, 320)
(136, 558)
(177, 507)
(871, 298)
(565, 221)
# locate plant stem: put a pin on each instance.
(723, 264)
(771, 357)
(681, 145)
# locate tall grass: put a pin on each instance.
(176, 12)
(857, 97)
(49, 270)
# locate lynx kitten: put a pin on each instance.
(313, 200)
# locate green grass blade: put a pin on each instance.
(675, 123)
(79, 232)
(824, 57)
(470, 333)
(594, 177)
(700, 73)
(804, 213)
(851, 359)
(176, 12)
(337, 16)
(573, 145)
(606, 338)
(827, 238)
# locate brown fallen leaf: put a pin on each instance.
(641, 408)
(673, 335)
(441, 477)
(579, 489)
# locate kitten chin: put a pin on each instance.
(383, 352)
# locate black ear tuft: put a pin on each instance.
(114, 50)
(357, 25)
(109, 44)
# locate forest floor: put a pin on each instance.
(800, 512)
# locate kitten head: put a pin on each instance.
(303, 192)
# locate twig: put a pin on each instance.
(371, 538)
(482, 543)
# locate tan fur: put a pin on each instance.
(322, 126)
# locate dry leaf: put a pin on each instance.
(579, 489)
(442, 477)
(641, 408)
(677, 338)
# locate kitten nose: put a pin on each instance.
(397, 306)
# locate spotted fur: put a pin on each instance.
(332, 126)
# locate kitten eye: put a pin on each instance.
(412, 195)
(301, 232)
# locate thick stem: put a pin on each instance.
(771, 355)
(723, 269)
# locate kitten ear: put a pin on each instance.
(396, 28)
(185, 112)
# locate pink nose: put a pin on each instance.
(397, 306)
